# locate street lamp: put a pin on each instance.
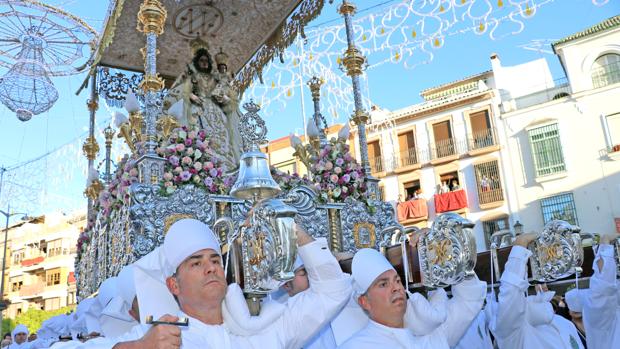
(8, 215)
(518, 228)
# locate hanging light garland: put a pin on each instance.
(406, 33)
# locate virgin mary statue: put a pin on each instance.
(210, 103)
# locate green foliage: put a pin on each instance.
(7, 325)
(32, 318)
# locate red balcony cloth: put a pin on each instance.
(32, 261)
(412, 209)
(451, 201)
(71, 278)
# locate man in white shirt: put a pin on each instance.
(349, 320)
(398, 322)
(191, 264)
(528, 322)
(601, 304)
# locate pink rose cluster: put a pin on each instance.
(336, 174)
(190, 161)
(288, 181)
(82, 243)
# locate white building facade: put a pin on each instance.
(524, 148)
(563, 136)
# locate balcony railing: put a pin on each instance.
(408, 157)
(561, 88)
(448, 147)
(477, 140)
(483, 139)
(376, 164)
(606, 75)
(490, 196)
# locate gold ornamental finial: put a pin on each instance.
(197, 44)
(315, 86)
(152, 17)
(221, 58)
(347, 8)
(90, 148)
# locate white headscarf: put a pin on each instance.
(298, 263)
(367, 265)
(19, 329)
(54, 327)
(85, 320)
(184, 238)
(115, 319)
(539, 309)
(107, 290)
(574, 300)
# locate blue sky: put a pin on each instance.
(56, 181)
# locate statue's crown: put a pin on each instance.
(221, 58)
(197, 43)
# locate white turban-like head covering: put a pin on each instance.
(298, 263)
(107, 290)
(115, 319)
(574, 300)
(539, 310)
(54, 327)
(81, 318)
(19, 329)
(367, 265)
(184, 238)
(127, 286)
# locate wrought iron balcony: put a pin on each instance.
(408, 157)
(483, 139)
(448, 147)
(376, 164)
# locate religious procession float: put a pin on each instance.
(195, 152)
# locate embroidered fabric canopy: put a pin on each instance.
(251, 33)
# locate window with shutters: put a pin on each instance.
(547, 150)
(374, 156)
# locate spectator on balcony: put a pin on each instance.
(443, 188)
(454, 185)
(418, 194)
(485, 184)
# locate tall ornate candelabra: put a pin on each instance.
(108, 133)
(90, 146)
(151, 19)
(315, 88)
(354, 63)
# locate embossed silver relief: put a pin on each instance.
(447, 252)
(151, 210)
(557, 252)
(136, 230)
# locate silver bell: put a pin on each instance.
(254, 181)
